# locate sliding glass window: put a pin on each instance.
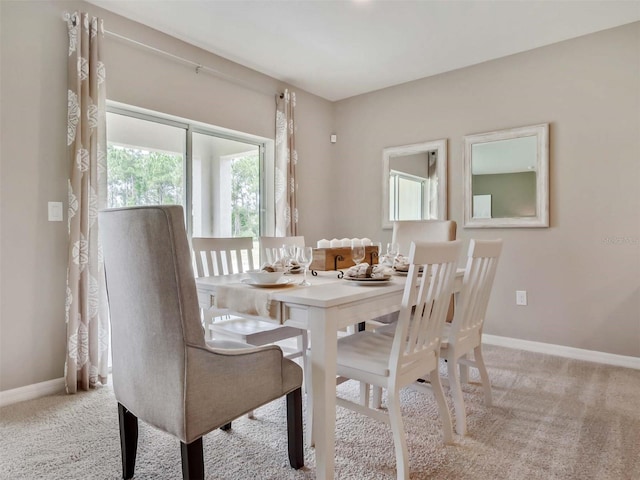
(219, 178)
(226, 187)
(145, 162)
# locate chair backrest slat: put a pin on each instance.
(476, 290)
(222, 255)
(418, 333)
(406, 231)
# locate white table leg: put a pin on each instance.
(323, 332)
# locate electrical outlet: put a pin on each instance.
(521, 297)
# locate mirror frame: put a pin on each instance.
(541, 132)
(441, 170)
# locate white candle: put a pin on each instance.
(345, 242)
(324, 243)
(366, 242)
(335, 243)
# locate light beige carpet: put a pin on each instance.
(552, 418)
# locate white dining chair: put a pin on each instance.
(224, 256)
(393, 362)
(270, 245)
(407, 231)
(464, 335)
(214, 256)
(164, 373)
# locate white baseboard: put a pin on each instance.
(29, 392)
(562, 351)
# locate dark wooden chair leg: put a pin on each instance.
(128, 440)
(192, 460)
(294, 429)
(226, 426)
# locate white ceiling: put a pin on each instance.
(341, 48)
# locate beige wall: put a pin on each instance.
(34, 166)
(583, 273)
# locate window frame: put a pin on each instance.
(265, 149)
(394, 187)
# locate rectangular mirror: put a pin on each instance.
(414, 182)
(506, 178)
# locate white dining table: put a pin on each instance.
(324, 308)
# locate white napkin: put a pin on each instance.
(358, 271)
(294, 267)
(287, 266)
(401, 263)
(363, 271)
(277, 266)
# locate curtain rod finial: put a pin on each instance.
(68, 17)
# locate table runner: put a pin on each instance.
(245, 299)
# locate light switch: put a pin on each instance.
(55, 211)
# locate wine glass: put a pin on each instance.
(393, 249)
(289, 254)
(276, 255)
(357, 252)
(304, 256)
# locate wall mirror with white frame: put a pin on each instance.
(506, 178)
(414, 182)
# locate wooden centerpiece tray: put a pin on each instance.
(339, 258)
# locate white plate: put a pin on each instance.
(404, 273)
(283, 282)
(368, 281)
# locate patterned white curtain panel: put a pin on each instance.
(285, 173)
(86, 304)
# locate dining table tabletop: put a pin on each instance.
(329, 305)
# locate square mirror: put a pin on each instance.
(414, 182)
(506, 178)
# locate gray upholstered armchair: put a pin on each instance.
(163, 370)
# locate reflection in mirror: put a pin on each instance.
(506, 178)
(505, 171)
(414, 182)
